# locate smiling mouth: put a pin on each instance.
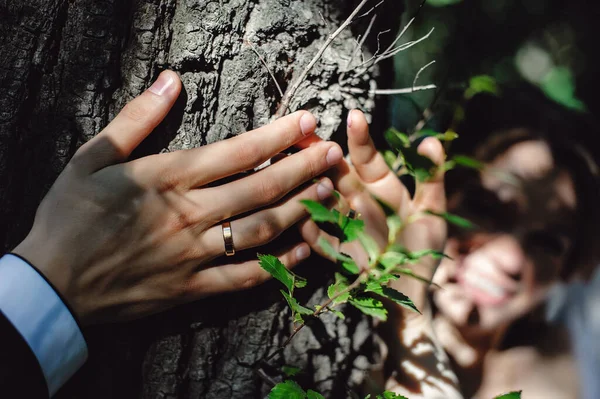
(483, 290)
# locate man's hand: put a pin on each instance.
(124, 239)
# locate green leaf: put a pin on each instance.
(337, 313)
(396, 139)
(453, 219)
(422, 168)
(351, 228)
(559, 85)
(410, 273)
(291, 371)
(351, 267)
(299, 282)
(370, 245)
(510, 395)
(390, 260)
(341, 283)
(417, 255)
(441, 3)
(346, 261)
(277, 269)
(310, 394)
(394, 224)
(319, 212)
(287, 390)
(390, 158)
(392, 294)
(370, 306)
(449, 135)
(467, 162)
(390, 395)
(481, 84)
(297, 310)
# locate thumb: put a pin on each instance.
(131, 126)
(430, 194)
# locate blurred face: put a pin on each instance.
(524, 207)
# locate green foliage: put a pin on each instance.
(559, 85)
(310, 394)
(510, 395)
(416, 165)
(370, 306)
(346, 261)
(319, 212)
(334, 291)
(297, 310)
(387, 395)
(349, 228)
(468, 162)
(291, 371)
(481, 84)
(394, 224)
(453, 219)
(287, 390)
(442, 3)
(278, 270)
(393, 295)
(449, 135)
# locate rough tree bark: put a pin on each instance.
(66, 67)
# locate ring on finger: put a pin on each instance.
(228, 239)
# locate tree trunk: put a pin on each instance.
(67, 66)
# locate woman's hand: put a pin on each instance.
(411, 344)
(124, 239)
(368, 176)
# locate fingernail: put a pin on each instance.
(350, 118)
(302, 252)
(324, 189)
(164, 81)
(308, 124)
(334, 155)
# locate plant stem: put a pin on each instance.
(317, 312)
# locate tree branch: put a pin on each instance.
(287, 98)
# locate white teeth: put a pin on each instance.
(485, 285)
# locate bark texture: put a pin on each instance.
(67, 66)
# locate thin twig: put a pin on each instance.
(370, 11)
(316, 313)
(292, 90)
(266, 66)
(358, 49)
(402, 47)
(387, 92)
(421, 70)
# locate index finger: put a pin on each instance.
(203, 165)
(131, 126)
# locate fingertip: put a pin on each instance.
(324, 189)
(308, 123)
(166, 85)
(302, 252)
(358, 128)
(432, 148)
(334, 155)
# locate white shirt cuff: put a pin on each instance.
(36, 310)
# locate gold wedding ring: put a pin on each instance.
(228, 239)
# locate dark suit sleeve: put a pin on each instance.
(20, 373)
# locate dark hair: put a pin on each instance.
(570, 135)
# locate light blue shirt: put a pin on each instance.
(44, 321)
(576, 306)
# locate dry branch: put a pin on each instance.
(292, 90)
